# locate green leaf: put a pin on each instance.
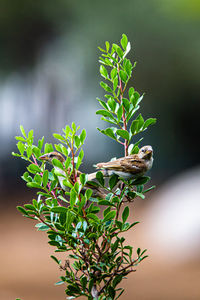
(59, 137)
(104, 113)
(123, 133)
(124, 41)
(138, 251)
(134, 147)
(119, 51)
(148, 122)
(149, 189)
(83, 136)
(131, 93)
(22, 210)
(56, 260)
(119, 112)
(134, 126)
(59, 209)
(93, 183)
(112, 104)
(23, 131)
(103, 103)
(117, 280)
(83, 179)
(115, 83)
(26, 177)
(33, 185)
(68, 162)
(105, 87)
(21, 147)
(99, 177)
(42, 227)
(136, 99)
(59, 282)
(113, 181)
(45, 177)
(127, 66)
(119, 224)
(88, 193)
(122, 290)
(72, 197)
(109, 132)
(106, 211)
(103, 72)
(57, 163)
(93, 217)
(140, 121)
(108, 62)
(111, 292)
(126, 104)
(38, 179)
(101, 49)
(76, 141)
(36, 151)
(110, 216)
(125, 214)
(141, 180)
(67, 131)
(77, 187)
(30, 134)
(140, 195)
(40, 143)
(113, 73)
(105, 202)
(74, 127)
(48, 148)
(123, 76)
(107, 46)
(29, 151)
(80, 158)
(83, 282)
(20, 138)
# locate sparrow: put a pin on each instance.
(129, 166)
(50, 156)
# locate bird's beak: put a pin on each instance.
(44, 157)
(148, 152)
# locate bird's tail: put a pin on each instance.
(92, 176)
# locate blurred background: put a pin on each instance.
(49, 77)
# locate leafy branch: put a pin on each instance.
(77, 218)
(119, 108)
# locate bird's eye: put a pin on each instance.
(51, 155)
(143, 150)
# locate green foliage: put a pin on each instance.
(119, 109)
(75, 217)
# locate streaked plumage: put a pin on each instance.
(129, 166)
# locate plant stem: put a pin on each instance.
(123, 114)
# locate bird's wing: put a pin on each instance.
(111, 165)
(132, 165)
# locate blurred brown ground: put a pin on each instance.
(28, 272)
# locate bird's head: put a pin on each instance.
(51, 155)
(146, 152)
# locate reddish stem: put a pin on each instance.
(123, 114)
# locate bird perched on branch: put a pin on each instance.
(99, 192)
(129, 166)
